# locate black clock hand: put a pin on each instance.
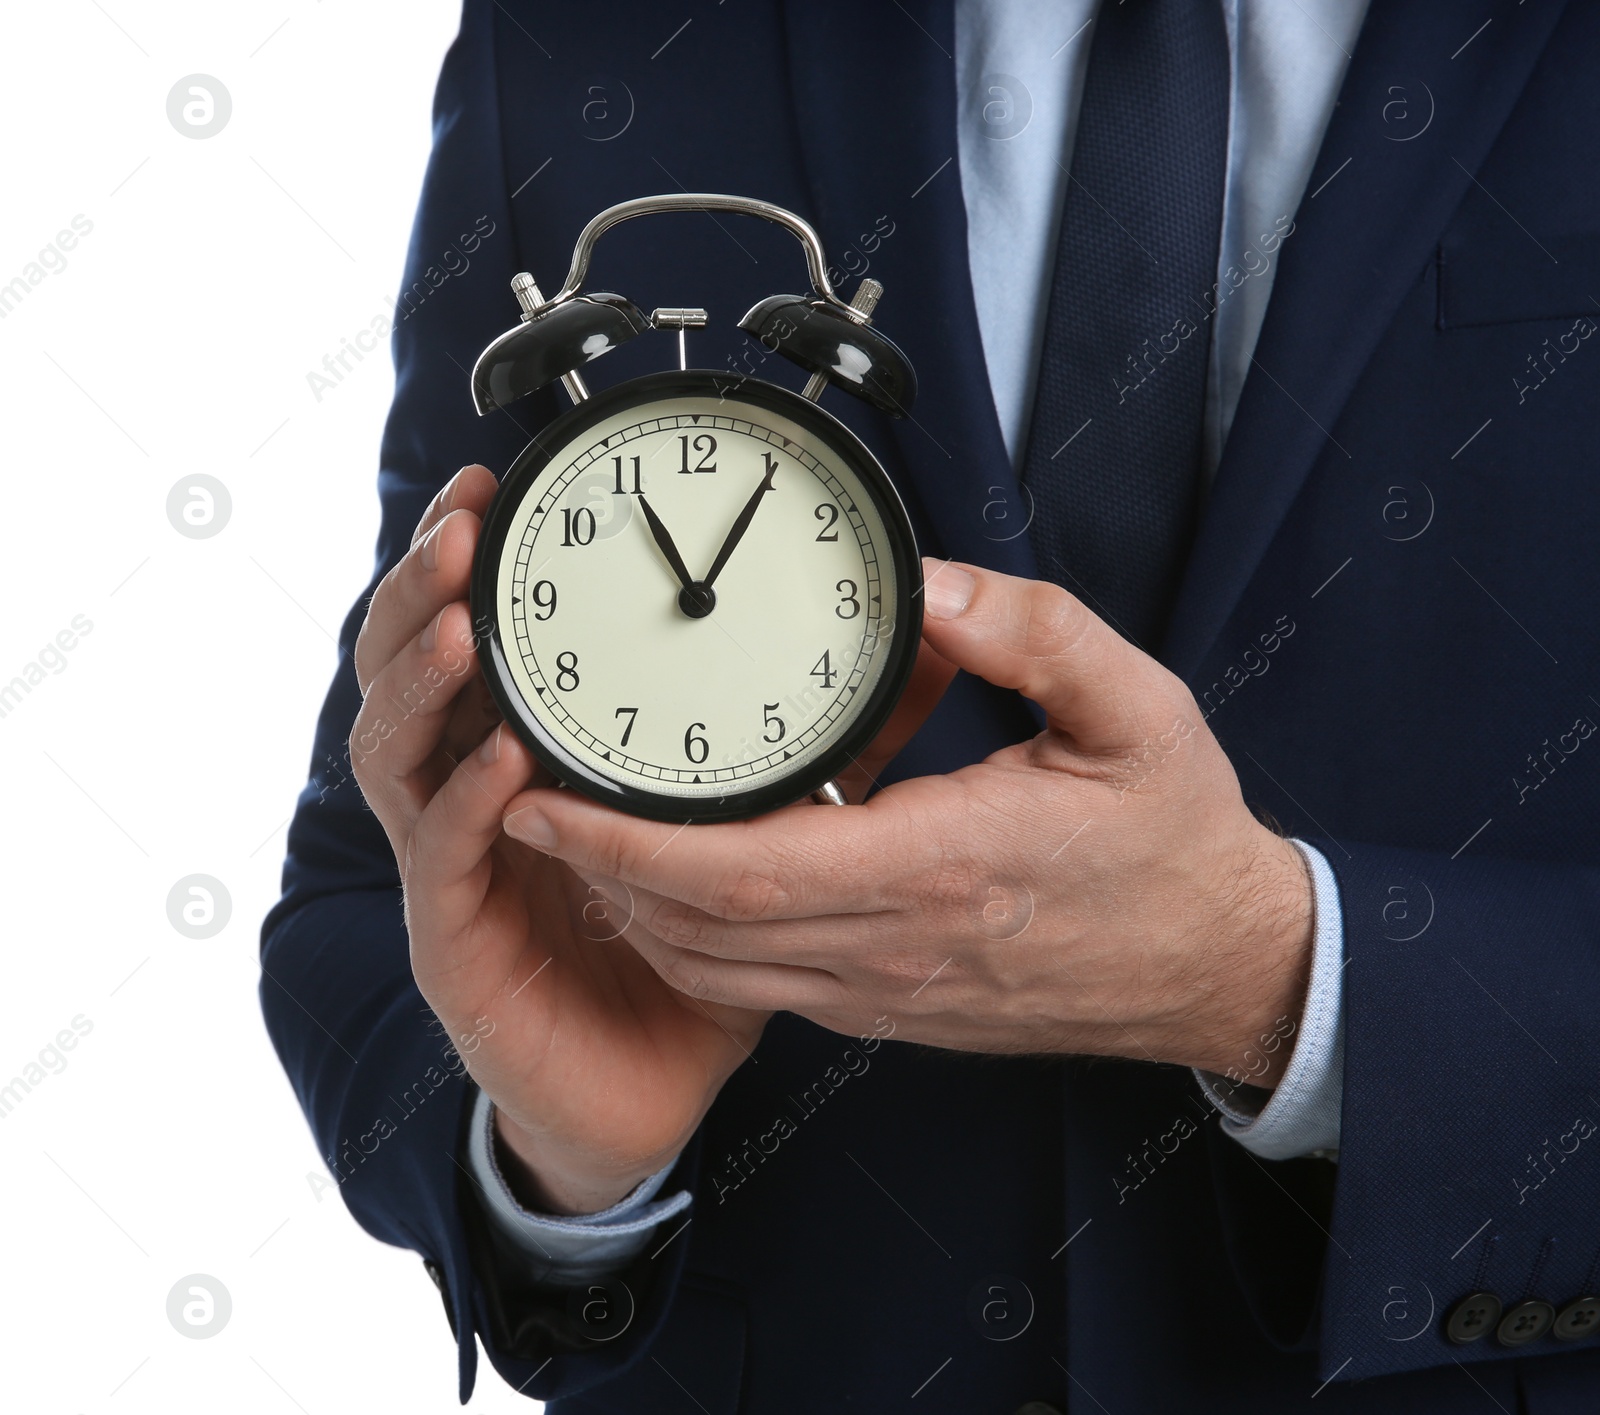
(664, 540)
(743, 523)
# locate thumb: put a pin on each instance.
(1033, 636)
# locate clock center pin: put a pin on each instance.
(697, 599)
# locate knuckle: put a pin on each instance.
(612, 856)
(412, 855)
(384, 590)
(688, 977)
(908, 970)
(1055, 622)
(951, 883)
(360, 658)
(430, 513)
(369, 732)
(1187, 707)
(749, 894)
(357, 747)
(679, 924)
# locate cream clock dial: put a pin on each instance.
(697, 598)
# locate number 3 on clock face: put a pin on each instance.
(697, 599)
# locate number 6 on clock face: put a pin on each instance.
(697, 598)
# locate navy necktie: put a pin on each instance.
(1113, 460)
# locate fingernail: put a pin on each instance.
(948, 592)
(430, 548)
(430, 635)
(489, 752)
(532, 826)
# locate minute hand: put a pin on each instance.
(743, 523)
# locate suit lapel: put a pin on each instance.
(1372, 216)
(875, 97)
(879, 140)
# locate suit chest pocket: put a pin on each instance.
(1512, 277)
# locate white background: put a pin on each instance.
(177, 340)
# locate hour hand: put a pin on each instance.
(663, 539)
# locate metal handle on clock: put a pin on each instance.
(829, 794)
(816, 259)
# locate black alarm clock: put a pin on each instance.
(697, 594)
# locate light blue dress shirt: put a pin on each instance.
(1020, 68)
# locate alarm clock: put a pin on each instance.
(696, 594)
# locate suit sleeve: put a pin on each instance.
(383, 1088)
(1469, 1161)
(1470, 1145)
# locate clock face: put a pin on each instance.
(702, 597)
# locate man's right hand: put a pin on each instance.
(599, 1071)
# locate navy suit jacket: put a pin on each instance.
(1389, 621)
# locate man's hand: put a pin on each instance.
(599, 1071)
(1101, 889)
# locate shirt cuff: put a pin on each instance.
(1300, 1117)
(566, 1249)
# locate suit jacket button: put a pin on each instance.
(1037, 1407)
(1578, 1319)
(1472, 1317)
(1525, 1322)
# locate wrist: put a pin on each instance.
(544, 1180)
(1265, 951)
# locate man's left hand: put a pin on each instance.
(1101, 888)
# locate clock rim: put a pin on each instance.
(533, 461)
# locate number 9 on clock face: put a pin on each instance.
(697, 598)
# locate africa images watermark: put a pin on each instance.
(1541, 1169)
(1544, 764)
(1255, 664)
(453, 262)
(51, 260)
(740, 1164)
(1146, 360)
(52, 658)
(350, 1154)
(49, 1061)
(411, 701)
(856, 261)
